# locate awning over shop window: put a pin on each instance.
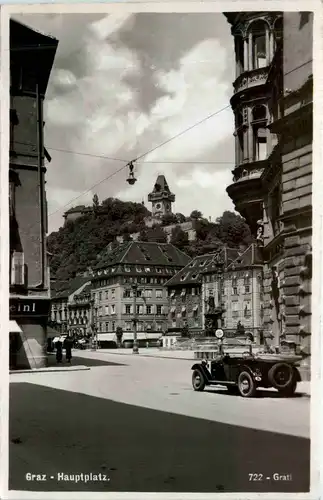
(14, 327)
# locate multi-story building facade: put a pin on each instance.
(128, 285)
(71, 311)
(232, 292)
(272, 190)
(193, 295)
(184, 295)
(30, 68)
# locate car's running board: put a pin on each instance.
(221, 382)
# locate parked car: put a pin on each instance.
(244, 373)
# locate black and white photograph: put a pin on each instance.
(161, 327)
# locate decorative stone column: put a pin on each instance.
(250, 51)
(250, 136)
(268, 52)
(245, 54)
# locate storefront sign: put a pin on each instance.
(28, 307)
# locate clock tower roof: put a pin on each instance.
(161, 190)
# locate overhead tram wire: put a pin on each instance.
(133, 161)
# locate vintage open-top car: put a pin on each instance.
(244, 373)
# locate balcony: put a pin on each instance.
(251, 79)
(246, 192)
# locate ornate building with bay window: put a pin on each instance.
(272, 180)
(31, 58)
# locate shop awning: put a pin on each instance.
(14, 327)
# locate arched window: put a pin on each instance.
(258, 44)
(259, 123)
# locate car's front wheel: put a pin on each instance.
(246, 385)
(198, 381)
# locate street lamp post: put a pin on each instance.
(135, 348)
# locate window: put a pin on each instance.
(159, 309)
(113, 309)
(259, 123)
(17, 268)
(128, 309)
(148, 294)
(247, 284)
(126, 293)
(235, 290)
(159, 293)
(138, 269)
(183, 292)
(247, 289)
(258, 47)
(128, 326)
(113, 293)
(147, 269)
(235, 309)
(234, 281)
(100, 311)
(158, 281)
(107, 326)
(148, 309)
(113, 326)
(183, 312)
(247, 309)
(100, 296)
(139, 309)
(107, 310)
(159, 327)
(159, 269)
(127, 269)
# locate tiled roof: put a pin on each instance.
(62, 289)
(145, 254)
(224, 257)
(251, 257)
(192, 273)
(86, 290)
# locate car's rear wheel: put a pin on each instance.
(289, 390)
(198, 381)
(281, 376)
(246, 385)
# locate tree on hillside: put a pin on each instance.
(179, 238)
(234, 230)
(169, 219)
(180, 218)
(154, 234)
(196, 214)
(95, 203)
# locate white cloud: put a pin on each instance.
(99, 113)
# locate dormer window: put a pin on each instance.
(127, 269)
(147, 269)
(138, 269)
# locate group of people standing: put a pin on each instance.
(67, 345)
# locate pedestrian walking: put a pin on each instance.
(59, 351)
(68, 349)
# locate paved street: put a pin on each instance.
(138, 421)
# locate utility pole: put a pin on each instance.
(135, 349)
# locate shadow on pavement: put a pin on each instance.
(139, 449)
(259, 394)
(77, 361)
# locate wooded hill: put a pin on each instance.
(76, 246)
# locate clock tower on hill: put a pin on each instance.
(161, 198)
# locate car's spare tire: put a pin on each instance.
(281, 375)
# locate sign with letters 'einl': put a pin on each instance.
(28, 307)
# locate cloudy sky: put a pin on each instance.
(122, 85)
